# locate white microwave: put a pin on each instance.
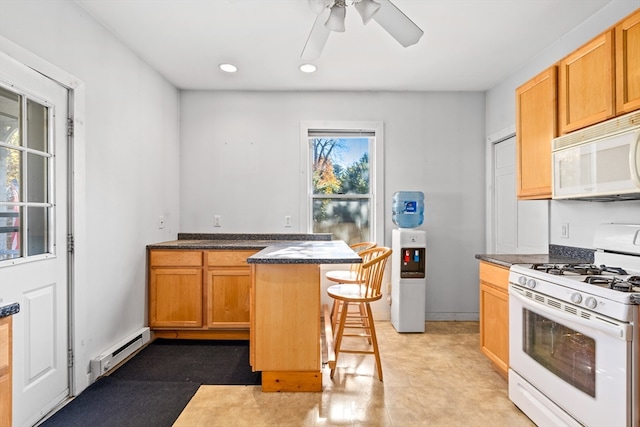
(601, 162)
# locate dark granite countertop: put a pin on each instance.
(318, 252)
(208, 241)
(9, 309)
(507, 260)
(557, 255)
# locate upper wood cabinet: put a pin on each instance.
(586, 92)
(627, 34)
(536, 126)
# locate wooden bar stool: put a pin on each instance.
(351, 276)
(372, 270)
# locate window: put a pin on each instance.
(343, 163)
(25, 164)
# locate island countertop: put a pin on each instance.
(311, 252)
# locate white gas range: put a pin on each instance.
(574, 338)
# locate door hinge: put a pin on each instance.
(69, 358)
(70, 243)
(69, 127)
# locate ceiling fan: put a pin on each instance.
(331, 17)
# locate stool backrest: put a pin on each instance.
(359, 248)
(374, 261)
(362, 246)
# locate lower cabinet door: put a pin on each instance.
(175, 297)
(228, 298)
(494, 326)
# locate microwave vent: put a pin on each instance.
(610, 127)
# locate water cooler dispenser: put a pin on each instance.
(408, 263)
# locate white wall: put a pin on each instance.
(500, 111)
(130, 163)
(240, 159)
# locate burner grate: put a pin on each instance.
(563, 269)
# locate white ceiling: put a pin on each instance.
(468, 45)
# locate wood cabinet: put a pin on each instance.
(627, 42)
(175, 289)
(494, 315)
(598, 81)
(586, 93)
(199, 294)
(228, 289)
(536, 126)
(6, 401)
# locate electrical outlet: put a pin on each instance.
(217, 220)
(161, 222)
(564, 230)
(287, 220)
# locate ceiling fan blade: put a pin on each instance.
(397, 24)
(318, 6)
(317, 39)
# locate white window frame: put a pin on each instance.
(376, 171)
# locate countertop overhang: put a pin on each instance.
(312, 252)
(9, 309)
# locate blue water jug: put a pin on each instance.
(408, 209)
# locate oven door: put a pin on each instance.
(578, 361)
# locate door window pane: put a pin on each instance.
(37, 231)
(37, 118)
(37, 178)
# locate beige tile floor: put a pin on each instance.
(439, 378)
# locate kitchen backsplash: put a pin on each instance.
(572, 252)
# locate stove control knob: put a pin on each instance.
(522, 280)
(590, 302)
(576, 298)
(531, 283)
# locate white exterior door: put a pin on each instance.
(33, 235)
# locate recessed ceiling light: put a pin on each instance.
(308, 68)
(228, 68)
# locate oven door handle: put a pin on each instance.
(611, 327)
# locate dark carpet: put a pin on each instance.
(153, 387)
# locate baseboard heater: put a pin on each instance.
(119, 352)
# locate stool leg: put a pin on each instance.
(365, 319)
(374, 340)
(339, 333)
(335, 313)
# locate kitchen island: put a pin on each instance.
(285, 312)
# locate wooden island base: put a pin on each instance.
(277, 381)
